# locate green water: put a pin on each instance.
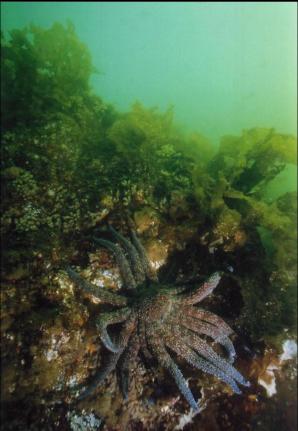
(224, 66)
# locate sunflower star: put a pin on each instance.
(158, 319)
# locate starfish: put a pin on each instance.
(157, 320)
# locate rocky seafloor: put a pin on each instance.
(50, 344)
(71, 164)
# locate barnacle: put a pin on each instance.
(158, 320)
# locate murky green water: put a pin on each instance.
(176, 120)
(224, 67)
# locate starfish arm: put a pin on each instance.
(198, 362)
(100, 376)
(211, 331)
(106, 319)
(208, 353)
(228, 345)
(209, 317)
(128, 328)
(126, 274)
(143, 340)
(110, 365)
(101, 293)
(135, 261)
(128, 361)
(165, 360)
(143, 256)
(204, 290)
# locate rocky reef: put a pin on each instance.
(71, 165)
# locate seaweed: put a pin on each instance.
(71, 162)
